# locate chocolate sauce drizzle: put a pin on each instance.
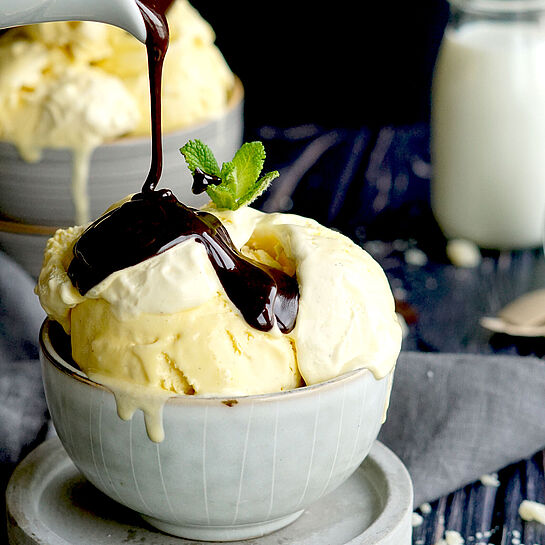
(151, 223)
(154, 221)
(201, 180)
(157, 38)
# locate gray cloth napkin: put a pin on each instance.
(22, 403)
(455, 417)
(23, 411)
(451, 417)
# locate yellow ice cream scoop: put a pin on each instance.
(169, 323)
(160, 297)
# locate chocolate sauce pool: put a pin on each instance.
(154, 220)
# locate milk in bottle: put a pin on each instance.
(488, 124)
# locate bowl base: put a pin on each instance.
(50, 501)
(223, 533)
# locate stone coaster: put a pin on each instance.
(49, 502)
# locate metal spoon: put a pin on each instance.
(523, 317)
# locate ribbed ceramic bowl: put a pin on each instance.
(228, 469)
(41, 193)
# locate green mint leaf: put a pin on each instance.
(248, 162)
(227, 174)
(258, 188)
(222, 196)
(240, 178)
(199, 155)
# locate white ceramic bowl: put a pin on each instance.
(41, 193)
(228, 469)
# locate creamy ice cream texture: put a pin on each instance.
(167, 324)
(79, 84)
(160, 298)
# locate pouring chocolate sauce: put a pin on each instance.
(154, 220)
(154, 15)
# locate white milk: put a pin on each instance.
(488, 134)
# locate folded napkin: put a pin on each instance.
(451, 419)
(23, 411)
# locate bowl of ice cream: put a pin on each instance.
(216, 370)
(229, 467)
(74, 127)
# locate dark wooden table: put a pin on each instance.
(373, 185)
(446, 304)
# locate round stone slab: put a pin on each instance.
(49, 502)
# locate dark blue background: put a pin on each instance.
(336, 64)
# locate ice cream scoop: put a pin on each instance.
(160, 296)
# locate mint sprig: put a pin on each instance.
(241, 179)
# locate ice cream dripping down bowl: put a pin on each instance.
(228, 468)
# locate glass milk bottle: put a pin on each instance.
(488, 124)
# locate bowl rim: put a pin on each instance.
(51, 355)
(19, 228)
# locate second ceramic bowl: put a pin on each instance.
(41, 193)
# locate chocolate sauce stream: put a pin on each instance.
(154, 15)
(154, 221)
